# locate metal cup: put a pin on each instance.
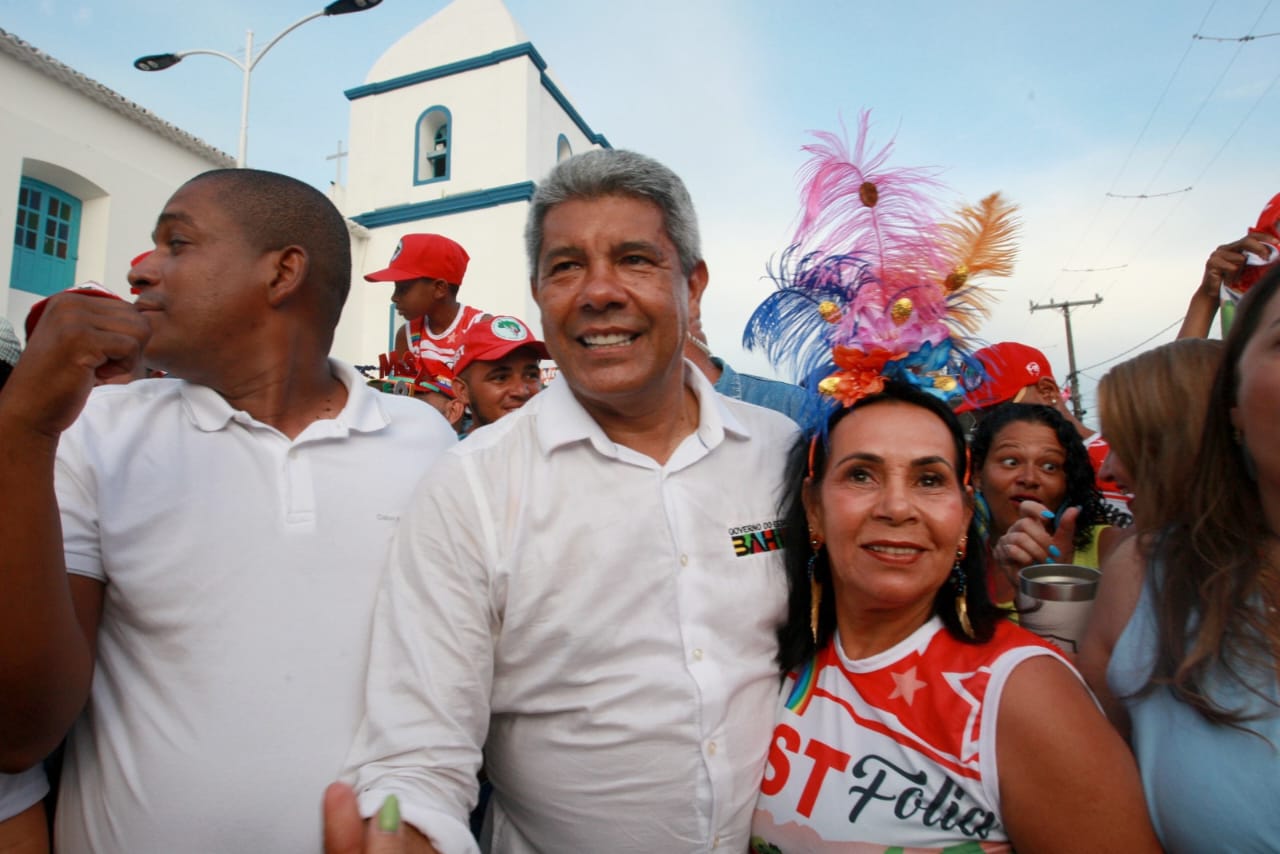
(1055, 600)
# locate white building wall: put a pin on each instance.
(488, 127)
(547, 123)
(122, 171)
(462, 30)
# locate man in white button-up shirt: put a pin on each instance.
(588, 589)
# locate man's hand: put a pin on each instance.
(82, 341)
(346, 833)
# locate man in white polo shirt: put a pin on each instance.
(565, 592)
(198, 589)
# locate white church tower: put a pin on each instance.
(452, 127)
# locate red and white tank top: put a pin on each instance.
(443, 347)
(896, 751)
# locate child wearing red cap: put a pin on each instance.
(427, 270)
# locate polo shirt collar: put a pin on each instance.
(363, 412)
(562, 420)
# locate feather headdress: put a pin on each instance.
(876, 283)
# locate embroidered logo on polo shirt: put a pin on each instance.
(758, 537)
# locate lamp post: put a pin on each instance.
(161, 61)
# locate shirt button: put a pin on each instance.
(697, 655)
(684, 560)
(711, 748)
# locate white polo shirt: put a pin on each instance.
(607, 623)
(240, 571)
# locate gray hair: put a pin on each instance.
(612, 172)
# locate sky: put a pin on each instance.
(1070, 110)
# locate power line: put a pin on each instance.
(1234, 38)
(1093, 219)
(1134, 347)
(1186, 130)
(1200, 109)
(1169, 213)
(1212, 160)
(1149, 195)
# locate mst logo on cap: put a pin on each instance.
(509, 329)
(399, 249)
(492, 338)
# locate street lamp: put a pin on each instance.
(161, 61)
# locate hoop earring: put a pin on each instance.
(960, 583)
(815, 588)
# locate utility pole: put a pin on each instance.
(1073, 379)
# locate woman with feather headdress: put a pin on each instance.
(913, 715)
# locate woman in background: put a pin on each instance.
(1195, 665)
(1153, 407)
(1037, 495)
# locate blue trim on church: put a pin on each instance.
(460, 203)
(483, 61)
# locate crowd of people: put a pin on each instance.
(253, 599)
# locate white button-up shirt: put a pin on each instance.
(602, 625)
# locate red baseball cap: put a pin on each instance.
(1009, 367)
(89, 289)
(424, 256)
(490, 339)
(434, 375)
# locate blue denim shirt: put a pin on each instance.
(791, 400)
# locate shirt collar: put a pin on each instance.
(562, 420)
(363, 411)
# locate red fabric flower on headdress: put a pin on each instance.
(861, 374)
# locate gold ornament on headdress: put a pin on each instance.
(869, 194)
(956, 280)
(830, 311)
(901, 310)
(981, 243)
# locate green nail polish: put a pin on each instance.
(389, 815)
